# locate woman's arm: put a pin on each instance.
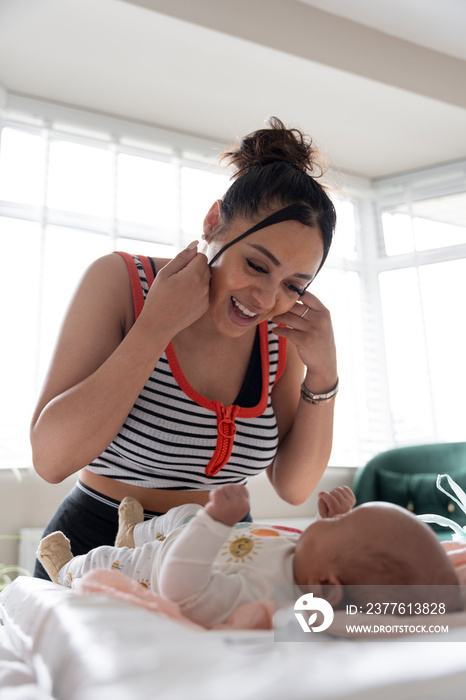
(306, 430)
(103, 358)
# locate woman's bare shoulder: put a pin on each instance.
(107, 279)
(105, 289)
(109, 268)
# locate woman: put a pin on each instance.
(226, 398)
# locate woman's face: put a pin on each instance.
(262, 275)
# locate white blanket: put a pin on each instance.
(57, 644)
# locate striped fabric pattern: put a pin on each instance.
(173, 433)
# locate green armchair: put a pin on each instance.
(407, 476)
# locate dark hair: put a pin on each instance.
(377, 573)
(277, 167)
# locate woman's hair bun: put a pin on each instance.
(277, 143)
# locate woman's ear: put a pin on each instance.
(212, 220)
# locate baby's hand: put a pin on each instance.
(228, 503)
(338, 501)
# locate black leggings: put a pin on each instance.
(89, 520)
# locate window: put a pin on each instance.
(67, 197)
(428, 224)
(338, 287)
(422, 293)
(75, 186)
(395, 282)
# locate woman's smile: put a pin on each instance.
(241, 314)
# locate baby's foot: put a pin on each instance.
(53, 553)
(130, 513)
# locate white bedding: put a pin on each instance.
(56, 644)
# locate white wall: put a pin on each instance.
(30, 501)
(27, 502)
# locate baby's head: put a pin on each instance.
(379, 544)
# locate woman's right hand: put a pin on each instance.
(180, 292)
(103, 358)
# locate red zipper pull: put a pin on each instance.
(226, 426)
(226, 431)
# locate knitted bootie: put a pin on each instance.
(130, 513)
(53, 553)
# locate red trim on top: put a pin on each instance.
(282, 347)
(226, 415)
(243, 412)
(136, 288)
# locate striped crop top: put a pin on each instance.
(175, 438)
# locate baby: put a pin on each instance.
(209, 563)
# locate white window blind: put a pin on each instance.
(422, 282)
(74, 187)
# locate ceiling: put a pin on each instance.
(380, 86)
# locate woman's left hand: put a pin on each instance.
(309, 327)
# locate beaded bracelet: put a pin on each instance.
(319, 399)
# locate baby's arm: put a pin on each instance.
(228, 504)
(338, 501)
(185, 574)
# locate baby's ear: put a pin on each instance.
(332, 591)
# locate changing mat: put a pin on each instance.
(94, 647)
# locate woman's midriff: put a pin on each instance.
(156, 500)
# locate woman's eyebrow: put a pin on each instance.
(274, 260)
